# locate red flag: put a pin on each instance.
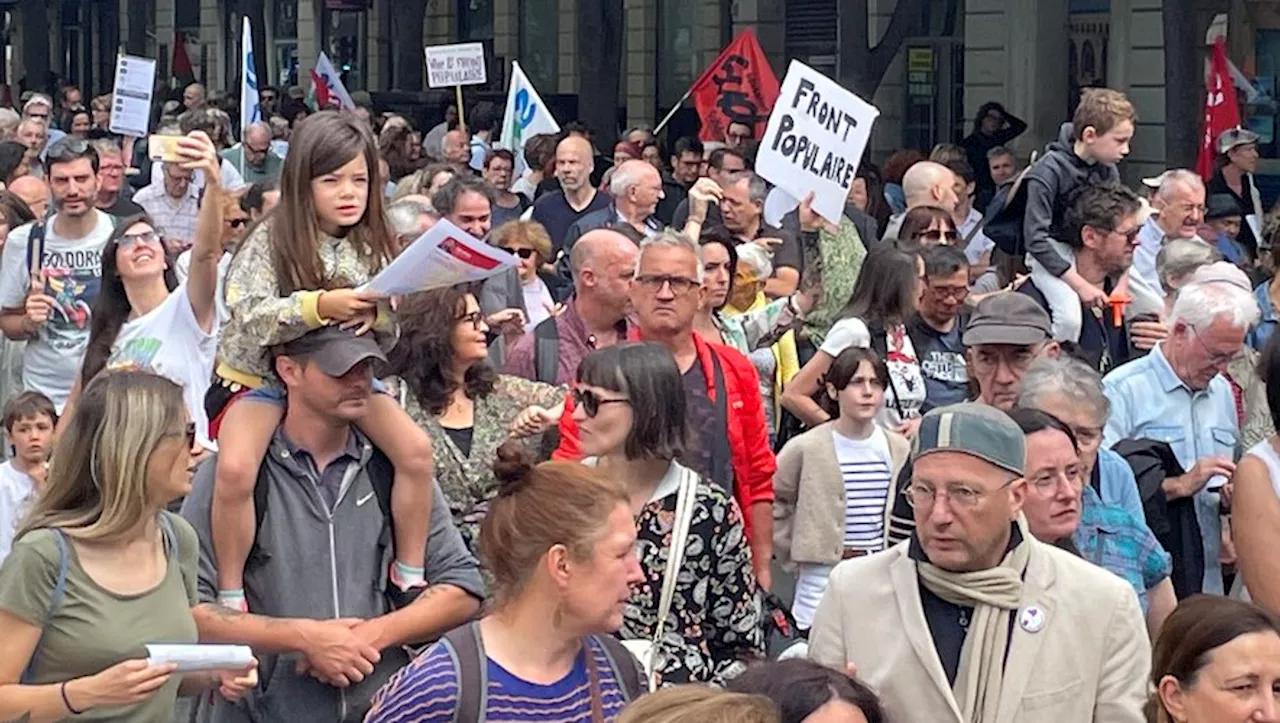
(1221, 113)
(738, 87)
(181, 68)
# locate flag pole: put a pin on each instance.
(673, 110)
(462, 119)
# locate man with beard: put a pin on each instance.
(1102, 230)
(50, 308)
(558, 210)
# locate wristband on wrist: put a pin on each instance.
(62, 689)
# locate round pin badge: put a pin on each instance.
(1031, 619)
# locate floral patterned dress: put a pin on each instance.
(714, 626)
(467, 480)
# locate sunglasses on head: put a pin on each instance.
(522, 253)
(591, 402)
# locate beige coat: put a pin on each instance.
(808, 497)
(1088, 662)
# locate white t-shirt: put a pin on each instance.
(182, 269)
(169, 342)
(905, 395)
(537, 297)
(17, 490)
(74, 270)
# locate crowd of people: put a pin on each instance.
(976, 451)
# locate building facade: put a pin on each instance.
(1031, 55)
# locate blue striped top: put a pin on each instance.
(426, 691)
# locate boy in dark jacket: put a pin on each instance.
(1085, 153)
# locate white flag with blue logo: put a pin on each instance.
(250, 110)
(526, 116)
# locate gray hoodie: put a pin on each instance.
(1050, 184)
(314, 564)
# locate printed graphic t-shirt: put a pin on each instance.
(73, 269)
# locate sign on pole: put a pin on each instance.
(815, 139)
(526, 116)
(461, 64)
(131, 96)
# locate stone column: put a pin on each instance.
(308, 40)
(768, 19)
(639, 67)
(213, 44)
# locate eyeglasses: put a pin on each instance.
(1217, 358)
(959, 293)
(680, 285)
(145, 237)
(1129, 235)
(522, 253)
(475, 319)
(591, 402)
(1045, 487)
(937, 236)
(964, 496)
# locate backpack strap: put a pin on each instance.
(721, 457)
(35, 248)
(623, 664)
(55, 602)
(467, 651)
(546, 350)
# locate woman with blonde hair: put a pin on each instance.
(99, 568)
(529, 242)
(700, 704)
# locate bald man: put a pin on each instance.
(603, 262)
(925, 184)
(576, 198)
(193, 96)
(33, 192)
(253, 156)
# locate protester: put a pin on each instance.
(34, 192)
(635, 189)
(51, 307)
(100, 107)
(507, 206)
(1222, 221)
(29, 420)
(433, 141)
(742, 209)
(603, 263)
(993, 127)
(173, 205)
(482, 119)
(744, 332)
(529, 243)
(834, 486)
(253, 156)
(630, 408)
(1255, 518)
(1002, 165)
(1216, 660)
(1237, 161)
(806, 692)
(927, 226)
(466, 409)
(13, 162)
(1175, 394)
(290, 276)
(865, 205)
(127, 565)
(114, 195)
(723, 161)
(875, 317)
(426, 181)
(687, 157)
(730, 444)
(938, 324)
(969, 574)
(456, 151)
(1062, 510)
(333, 637)
(699, 704)
(1179, 204)
(924, 184)
(34, 134)
(557, 211)
(76, 121)
(559, 541)
(966, 215)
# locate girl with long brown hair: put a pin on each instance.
(299, 269)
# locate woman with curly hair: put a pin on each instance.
(467, 409)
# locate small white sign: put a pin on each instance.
(815, 139)
(443, 256)
(450, 65)
(131, 96)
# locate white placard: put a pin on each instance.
(815, 138)
(443, 256)
(460, 64)
(200, 657)
(131, 96)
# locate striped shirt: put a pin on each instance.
(426, 691)
(865, 466)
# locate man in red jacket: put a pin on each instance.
(730, 447)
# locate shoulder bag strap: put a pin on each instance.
(623, 665)
(467, 650)
(55, 602)
(35, 248)
(593, 682)
(718, 460)
(675, 558)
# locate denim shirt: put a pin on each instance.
(1149, 401)
(1261, 331)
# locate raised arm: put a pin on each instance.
(202, 274)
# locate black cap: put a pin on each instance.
(1222, 205)
(335, 350)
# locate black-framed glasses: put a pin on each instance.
(237, 222)
(525, 253)
(475, 319)
(591, 402)
(680, 285)
(145, 237)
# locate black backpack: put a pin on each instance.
(546, 351)
(1003, 221)
(467, 651)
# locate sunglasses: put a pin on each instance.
(146, 237)
(591, 402)
(522, 253)
(237, 222)
(475, 319)
(937, 236)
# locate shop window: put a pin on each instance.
(676, 57)
(540, 43)
(475, 20)
(345, 44)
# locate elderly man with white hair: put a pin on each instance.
(253, 155)
(1179, 204)
(1178, 394)
(925, 184)
(410, 217)
(636, 188)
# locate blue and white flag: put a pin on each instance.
(250, 109)
(526, 116)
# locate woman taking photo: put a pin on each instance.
(630, 408)
(466, 408)
(883, 299)
(560, 544)
(1217, 660)
(834, 487)
(127, 566)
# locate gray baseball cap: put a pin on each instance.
(1008, 318)
(978, 430)
(1233, 137)
(335, 350)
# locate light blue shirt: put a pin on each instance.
(1149, 401)
(1150, 239)
(1119, 486)
(1262, 330)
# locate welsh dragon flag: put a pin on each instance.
(327, 89)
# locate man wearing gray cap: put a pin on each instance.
(1238, 160)
(973, 620)
(325, 633)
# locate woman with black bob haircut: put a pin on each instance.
(629, 405)
(808, 692)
